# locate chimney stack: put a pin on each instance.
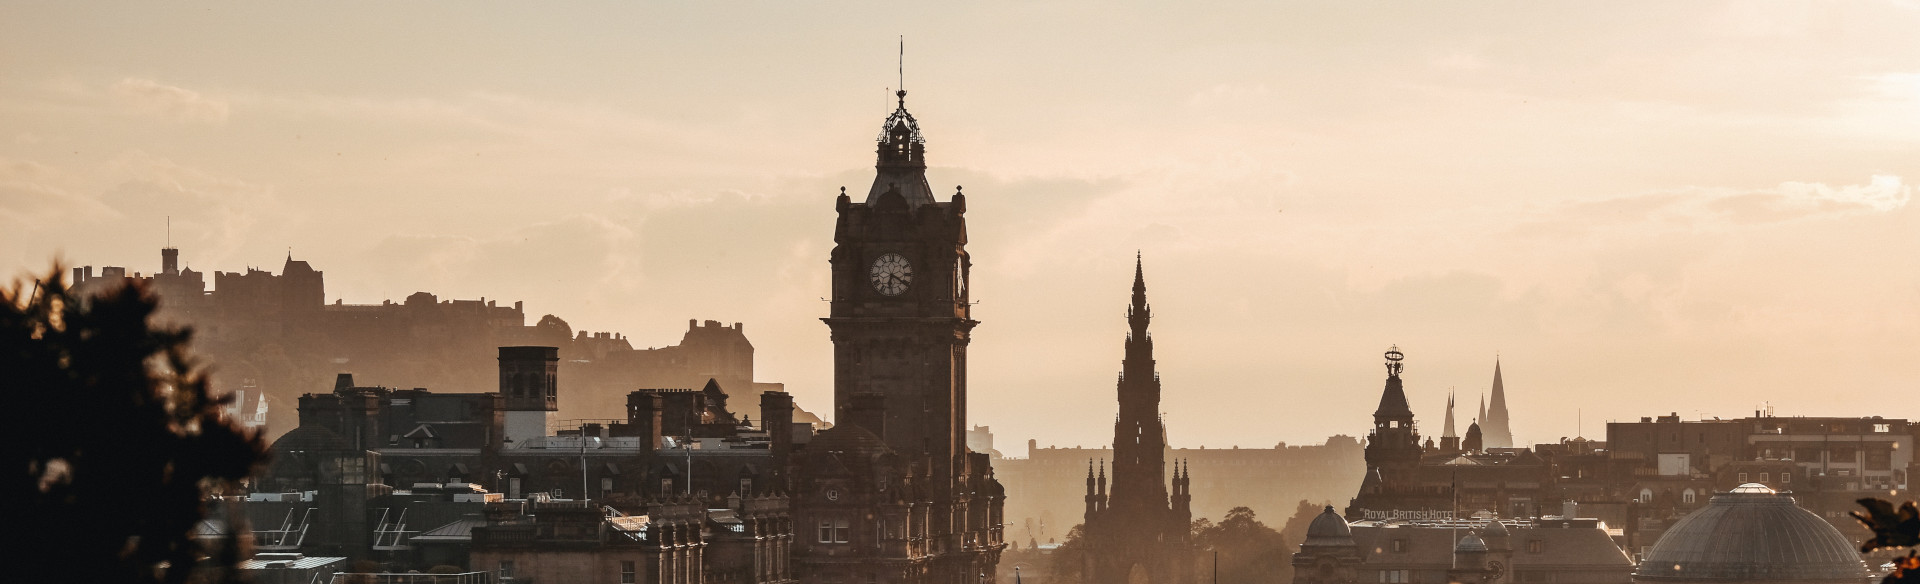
(644, 410)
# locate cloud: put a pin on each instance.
(1715, 208)
(152, 98)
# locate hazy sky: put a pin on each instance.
(1642, 207)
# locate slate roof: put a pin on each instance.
(460, 530)
(1393, 400)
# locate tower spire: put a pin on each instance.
(1499, 434)
(1448, 431)
(1139, 432)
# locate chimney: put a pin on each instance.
(528, 377)
(776, 417)
(868, 410)
(644, 410)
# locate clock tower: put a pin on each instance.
(900, 325)
(899, 315)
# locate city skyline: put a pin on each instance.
(1698, 219)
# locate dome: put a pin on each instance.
(1329, 529)
(1496, 529)
(310, 438)
(1471, 543)
(1752, 534)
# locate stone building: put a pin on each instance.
(1475, 551)
(669, 541)
(1408, 480)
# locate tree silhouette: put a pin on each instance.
(1250, 552)
(113, 435)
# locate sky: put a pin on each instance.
(1637, 207)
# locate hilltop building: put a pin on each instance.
(275, 335)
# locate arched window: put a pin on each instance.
(1687, 496)
(1646, 496)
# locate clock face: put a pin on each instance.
(890, 274)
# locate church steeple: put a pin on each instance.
(1498, 433)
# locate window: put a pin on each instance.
(833, 530)
(746, 486)
(606, 484)
(1534, 546)
(1879, 459)
(1764, 477)
(1743, 478)
(1399, 545)
(1393, 576)
(1786, 477)
(1882, 428)
(1687, 496)
(557, 493)
(506, 568)
(627, 572)
(1646, 496)
(666, 486)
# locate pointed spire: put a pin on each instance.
(1499, 432)
(1448, 431)
(1138, 314)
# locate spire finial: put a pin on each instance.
(1394, 356)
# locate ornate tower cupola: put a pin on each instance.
(902, 164)
(1393, 447)
(1393, 420)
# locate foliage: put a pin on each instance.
(1249, 551)
(1893, 528)
(1294, 532)
(1069, 558)
(114, 436)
